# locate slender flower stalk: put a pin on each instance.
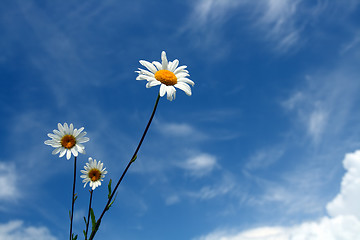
(68, 141)
(93, 173)
(88, 217)
(73, 200)
(126, 169)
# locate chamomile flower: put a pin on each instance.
(67, 140)
(167, 74)
(93, 173)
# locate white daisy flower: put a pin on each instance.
(166, 74)
(93, 173)
(67, 140)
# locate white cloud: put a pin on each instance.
(15, 230)
(209, 192)
(209, 11)
(325, 103)
(274, 17)
(178, 130)
(170, 200)
(282, 23)
(199, 165)
(347, 201)
(293, 100)
(343, 223)
(317, 123)
(353, 44)
(224, 186)
(339, 228)
(278, 20)
(264, 158)
(8, 182)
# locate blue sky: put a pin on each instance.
(265, 148)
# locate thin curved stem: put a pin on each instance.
(88, 217)
(126, 169)
(73, 200)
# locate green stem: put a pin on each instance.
(88, 217)
(126, 169)
(73, 200)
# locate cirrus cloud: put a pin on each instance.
(15, 230)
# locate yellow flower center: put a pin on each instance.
(68, 141)
(94, 174)
(166, 77)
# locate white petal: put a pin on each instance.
(170, 65)
(57, 133)
(80, 145)
(186, 80)
(83, 140)
(174, 65)
(157, 64)
(146, 73)
(61, 129)
(71, 130)
(183, 86)
(162, 90)
(182, 75)
(148, 65)
(179, 69)
(62, 152)
(141, 77)
(75, 132)
(68, 154)
(74, 152)
(79, 149)
(147, 78)
(78, 131)
(170, 93)
(56, 151)
(49, 142)
(54, 136)
(164, 60)
(152, 84)
(55, 144)
(66, 128)
(80, 135)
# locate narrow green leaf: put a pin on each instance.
(108, 207)
(109, 188)
(134, 158)
(70, 214)
(85, 220)
(75, 197)
(93, 220)
(74, 237)
(85, 234)
(97, 227)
